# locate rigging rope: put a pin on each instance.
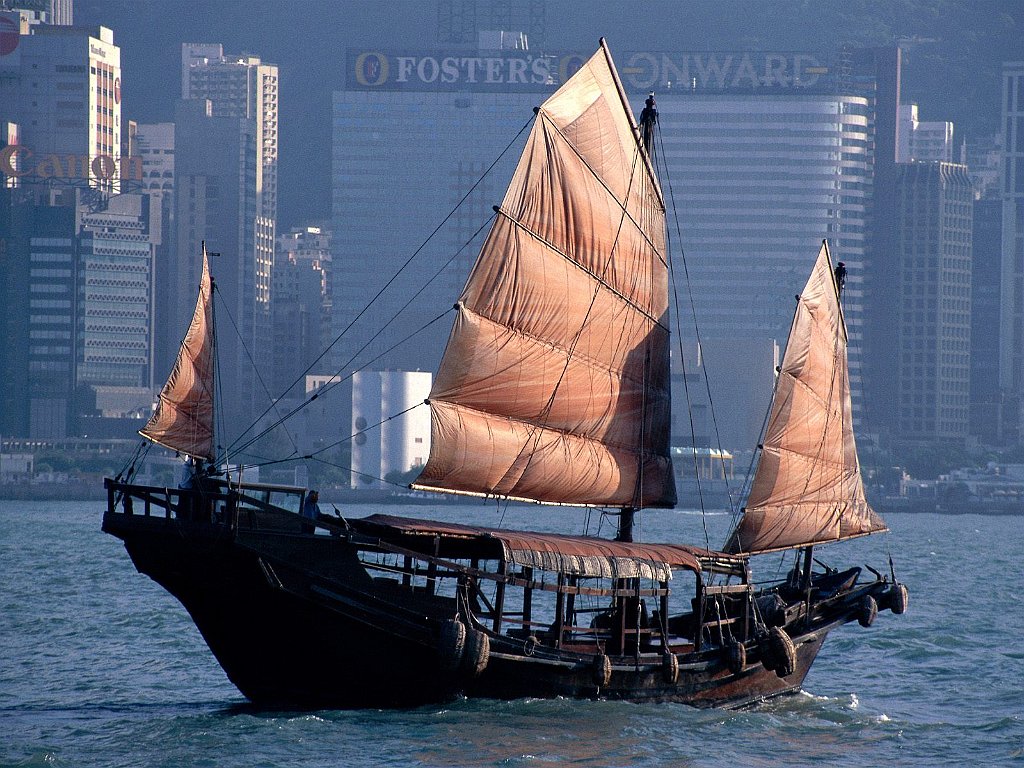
(337, 378)
(256, 370)
(395, 276)
(682, 357)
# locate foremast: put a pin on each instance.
(184, 416)
(648, 121)
(807, 488)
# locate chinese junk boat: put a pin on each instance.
(554, 388)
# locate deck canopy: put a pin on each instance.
(575, 555)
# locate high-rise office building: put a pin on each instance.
(62, 85)
(934, 215)
(117, 239)
(240, 86)
(1011, 321)
(154, 145)
(987, 418)
(301, 306)
(51, 281)
(214, 167)
(233, 110)
(114, 293)
(759, 181)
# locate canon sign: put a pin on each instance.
(20, 162)
(640, 71)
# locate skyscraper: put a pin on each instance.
(66, 98)
(759, 180)
(154, 144)
(240, 86)
(987, 419)
(214, 166)
(1011, 321)
(934, 215)
(226, 188)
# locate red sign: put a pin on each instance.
(117, 90)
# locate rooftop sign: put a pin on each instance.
(640, 71)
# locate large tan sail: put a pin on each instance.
(184, 415)
(808, 487)
(554, 386)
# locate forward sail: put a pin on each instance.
(183, 419)
(808, 487)
(554, 386)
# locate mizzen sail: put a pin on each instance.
(184, 415)
(554, 386)
(808, 487)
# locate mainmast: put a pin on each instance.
(648, 119)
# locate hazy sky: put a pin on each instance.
(953, 73)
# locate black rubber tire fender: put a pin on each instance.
(477, 652)
(452, 644)
(783, 651)
(899, 598)
(602, 670)
(735, 656)
(670, 668)
(867, 611)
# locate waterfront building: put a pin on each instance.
(62, 85)
(154, 145)
(301, 305)
(934, 217)
(114, 329)
(215, 162)
(50, 243)
(242, 86)
(381, 446)
(226, 190)
(987, 399)
(1011, 320)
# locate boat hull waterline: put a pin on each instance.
(336, 638)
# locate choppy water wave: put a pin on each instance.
(100, 667)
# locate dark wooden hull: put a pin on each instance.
(327, 637)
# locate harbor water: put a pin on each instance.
(100, 667)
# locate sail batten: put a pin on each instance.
(807, 488)
(554, 386)
(183, 420)
(625, 210)
(596, 277)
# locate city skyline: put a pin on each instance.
(952, 64)
(400, 112)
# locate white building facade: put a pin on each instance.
(384, 442)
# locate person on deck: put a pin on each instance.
(311, 511)
(841, 276)
(188, 505)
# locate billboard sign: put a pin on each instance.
(639, 71)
